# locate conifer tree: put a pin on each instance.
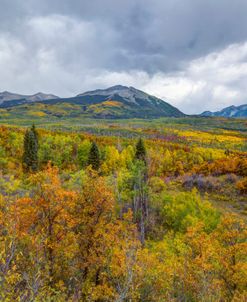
(33, 129)
(94, 157)
(140, 201)
(140, 151)
(30, 154)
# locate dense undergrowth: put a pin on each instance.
(168, 226)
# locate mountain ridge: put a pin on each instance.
(230, 112)
(9, 98)
(113, 102)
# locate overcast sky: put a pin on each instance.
(192, 53)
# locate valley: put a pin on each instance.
(95, 205)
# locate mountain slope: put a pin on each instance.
(232, 111)
(8, 99)
(114, 102)
(121, 101)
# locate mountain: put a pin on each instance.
(122, 102)
(114, 102)
(232, 111)
(8, 99)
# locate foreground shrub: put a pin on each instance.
(202, 183)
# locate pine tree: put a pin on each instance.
(140, 151)
(94, 157)
(30, 154)
(140, 201)
(33, 129)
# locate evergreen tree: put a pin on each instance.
(94, 157)
(33, 129)
(140, 151)
(140, 200)
(30, 154)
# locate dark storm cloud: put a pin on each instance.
(67, 46)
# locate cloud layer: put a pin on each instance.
(192, 53)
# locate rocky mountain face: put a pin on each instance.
(133, 102)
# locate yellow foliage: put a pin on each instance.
(37, 113)
(112, 103)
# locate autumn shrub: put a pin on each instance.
(242, 185)
(231, 178)
(202, 183)
(186, 209)
(222, 166)
(242, 167)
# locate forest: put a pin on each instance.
(123, 211)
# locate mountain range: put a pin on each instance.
(232, 111)
(8, 99)
(114, 102)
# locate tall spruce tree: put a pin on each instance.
(30, 154)
(94, 157)
(33, 129)
(140, 151)
(140, 200)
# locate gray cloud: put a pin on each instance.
(179, 49)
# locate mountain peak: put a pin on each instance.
(117, 87)
(134, 99)
(5, 92)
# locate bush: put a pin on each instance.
(203, 184)
(231, 178)
(242, 185)
(187, 209)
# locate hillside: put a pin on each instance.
(114, 102)
(232, 111)
(158, 204)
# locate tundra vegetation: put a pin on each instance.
(113, 210)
